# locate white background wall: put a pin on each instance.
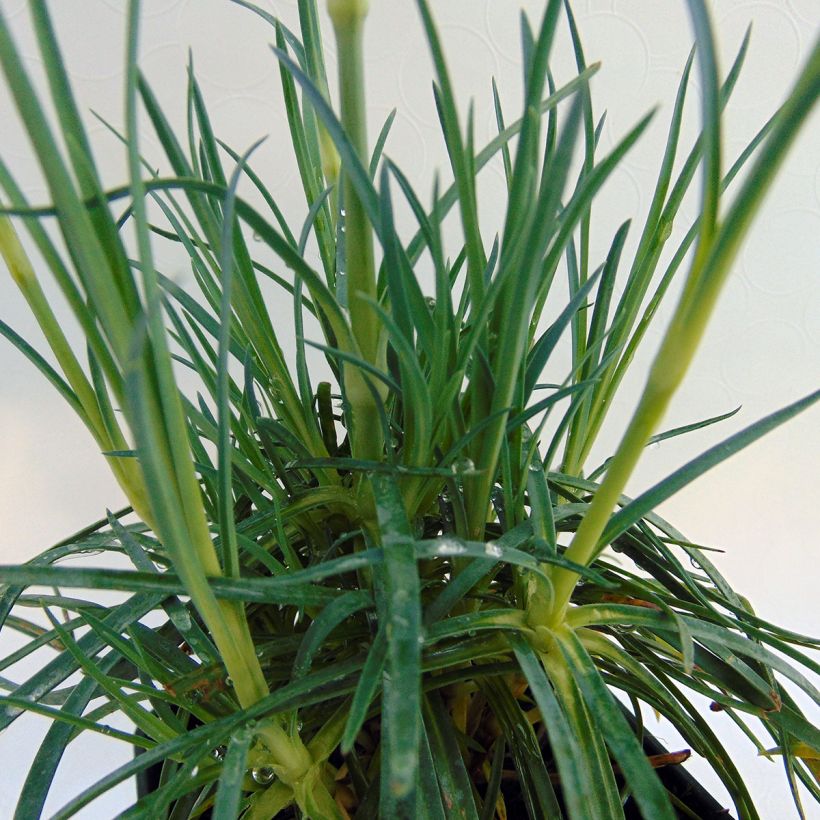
(763, 349)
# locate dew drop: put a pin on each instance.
(229, 681)
(263, 775)
(431, 302)
(257, 237)
(218, 753)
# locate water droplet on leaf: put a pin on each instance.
(263, 775)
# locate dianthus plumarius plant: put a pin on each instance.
(403, 592)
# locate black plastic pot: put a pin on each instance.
(677, 780)
(683, 785)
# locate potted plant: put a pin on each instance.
(404, 591)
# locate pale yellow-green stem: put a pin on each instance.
(108, 438)
(268, 803)
(710, 269)
(126, 471)
(289, 757)
(228, 620)
(348, 18)
(672, 361)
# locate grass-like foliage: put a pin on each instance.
(403, 592)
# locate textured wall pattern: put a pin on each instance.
(763, 349)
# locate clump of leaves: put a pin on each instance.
(390, 594)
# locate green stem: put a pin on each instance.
(348, 22)
(162, 437)
(650, 410)
(709, 272)
(125, 470)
